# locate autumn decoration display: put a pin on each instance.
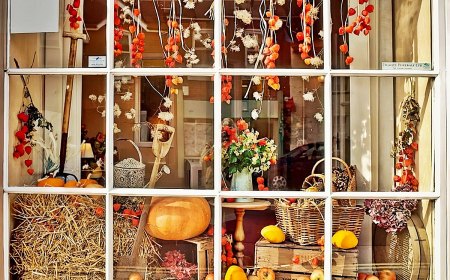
(393, 215)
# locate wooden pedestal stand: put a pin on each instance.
(239, 233)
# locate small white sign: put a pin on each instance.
(405, 66)
(97, 61)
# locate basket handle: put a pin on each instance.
(312, 176)
(347, 168)
(135, 146)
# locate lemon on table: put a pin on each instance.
(273, 234)
(344, 239)
(235, 272)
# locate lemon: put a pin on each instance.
(344, 239)
(235, 272)
(273, 234)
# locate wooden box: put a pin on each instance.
(198, 250)
(279, 258)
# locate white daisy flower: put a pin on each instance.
(258, 96)
(93, 97)
(136, 127)
(255, 114)
(318, 117)
(167, 102)
(117, 111)
(244, 15)
(256, 80)
(235, 48)
(239, 1)
(316, 61)
(127, 96)
(165, 116)
(116, 129)
(308, 96)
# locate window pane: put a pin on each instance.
(287, 125)
(163, 34)
(291, 250)
(393, 239)
(382, 130)
(368, 35)
(70, 27)
(44, 134)
(283, 34)
(170, 121)
(172, 246)
(57, 237)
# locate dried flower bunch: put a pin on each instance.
(30, 119)
(241, 149)
(178, 266)
(392, 215)
(308, 16)
(74, 18)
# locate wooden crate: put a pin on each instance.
(279, 258)
(198, 250)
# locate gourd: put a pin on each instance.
(265, 273)
(51, 182)
(71, 184)
(344, 239)
(135, 276)
(235, 272)
(176, 218)
(84, 182)
(273, 234)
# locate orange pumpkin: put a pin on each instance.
(177, 218)
(71, 184)
(210, 276)
(95, 186)
(85, 182)
(51, 182)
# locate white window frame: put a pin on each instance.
(440, 118)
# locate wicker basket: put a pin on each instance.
(351, 185)
(304, 223)
(129, 173)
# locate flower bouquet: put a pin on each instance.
(243, 154)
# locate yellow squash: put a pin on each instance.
(344, 239)
(273, 234)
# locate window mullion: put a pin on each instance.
(6, 235)
(328, 154)
(6, 128)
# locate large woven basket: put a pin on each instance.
(129, 173)
(304, 223)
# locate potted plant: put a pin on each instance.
(243, 154)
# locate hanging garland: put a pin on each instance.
(360, 17)
(393, 215)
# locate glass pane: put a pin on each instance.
(284, 116)
(393, 241)
(381, 35)
(289, 251)
(282, 34)
(176, 238)
(163, 34)
(73, 34)
(46, 140)
(169, 120)
(382, 130)
(57, 237)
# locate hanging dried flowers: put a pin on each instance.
(305, 36)
(179, 268)
(243, 15)
(74, 18)
(393, 215)
(360, 24)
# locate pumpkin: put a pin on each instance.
(85, 182)
(273, 234)
(265, 273)
(210, 276)
(135, 276)
(94, 186)
(71, 184)
(51, 182)
(177, 218)
(235, 272)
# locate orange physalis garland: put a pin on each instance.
(360, 24)
(73, 12)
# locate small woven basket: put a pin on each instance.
(350, 185)
(129, 173)
(304, 224)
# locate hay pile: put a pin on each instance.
(63, 237)
(57, 237)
